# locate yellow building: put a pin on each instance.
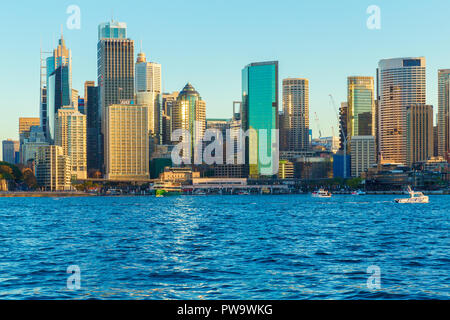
(419, 133)
(126, 142)
(25, 123)
(70, 134)
(285, 170)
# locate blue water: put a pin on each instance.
(224, 247)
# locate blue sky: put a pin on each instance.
(208, 42)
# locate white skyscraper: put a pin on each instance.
(401, 83)
(148, 90)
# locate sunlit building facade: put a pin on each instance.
(401, 83)
(443, 116)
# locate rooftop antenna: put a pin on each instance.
(112, 15)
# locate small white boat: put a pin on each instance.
(358, 193)
(414, 197)
(321, 194)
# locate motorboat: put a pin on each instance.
(358, 193)
(414, 197)
(322, 193)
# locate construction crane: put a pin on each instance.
(344, 136)
(316, 118)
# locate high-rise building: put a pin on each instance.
(115, 58)
(189, 113)
(295, 124)
(25, 124)
(126, 142)
(59, 85)
(30, 143)
(361, 106)
(443, 116)
(148, 92)
(363, 154)
(343, 132)
(9, 150)
(401, 84)
(87, 84)
(260, 113)
(70, 134)
(167, 105)
(53, 168)
(93, 131)
(419, 133)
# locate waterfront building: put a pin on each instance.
(126, 142)
(9, 149)
(70, 134)
(401, 83)
(260, 113)
(286, 170)
(295, 117)
(443, 115)
(115, 70)
(189, 113)
(53, 169)
(363, 154)
(419, 133)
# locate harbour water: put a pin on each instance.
(224, 247)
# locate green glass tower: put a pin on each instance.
(260, 112)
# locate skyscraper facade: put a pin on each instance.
(53, 169)
(419, 133)
(70, 134)
(295, 124)
(9, 150)
(260, 113)
(126, 142)
(148, 92)
(93, 131)
(443, 116)
(401, 84)
(361, 106)
(59, 85)
(189, 113)
(115, 68)
(363, 154)
(167, 105)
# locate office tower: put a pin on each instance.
(295, 123)
(148, 92)
(260, 113)
(70, 134)
(361, 106)
(25, 125)
(53, 168)
(126, 142)
(443, 115)
(363, 154)
(189, 113)
(115, 69)
(59, 84)
(286, 170)
(87, 84)
(435, 141)
(9, 150)
(401, 84)
(419, 133)
(29, 145)
(93, 131)
(167, 105)
(74, 99)
(343, 115)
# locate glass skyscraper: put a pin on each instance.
(260, 112)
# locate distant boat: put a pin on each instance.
(358, 193)
(243, 193)
(322, 193)
(199, 193)
(414, 197)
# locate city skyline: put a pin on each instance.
(194, 62)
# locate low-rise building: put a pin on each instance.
(53, 169)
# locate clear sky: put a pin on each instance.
(208, 42)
